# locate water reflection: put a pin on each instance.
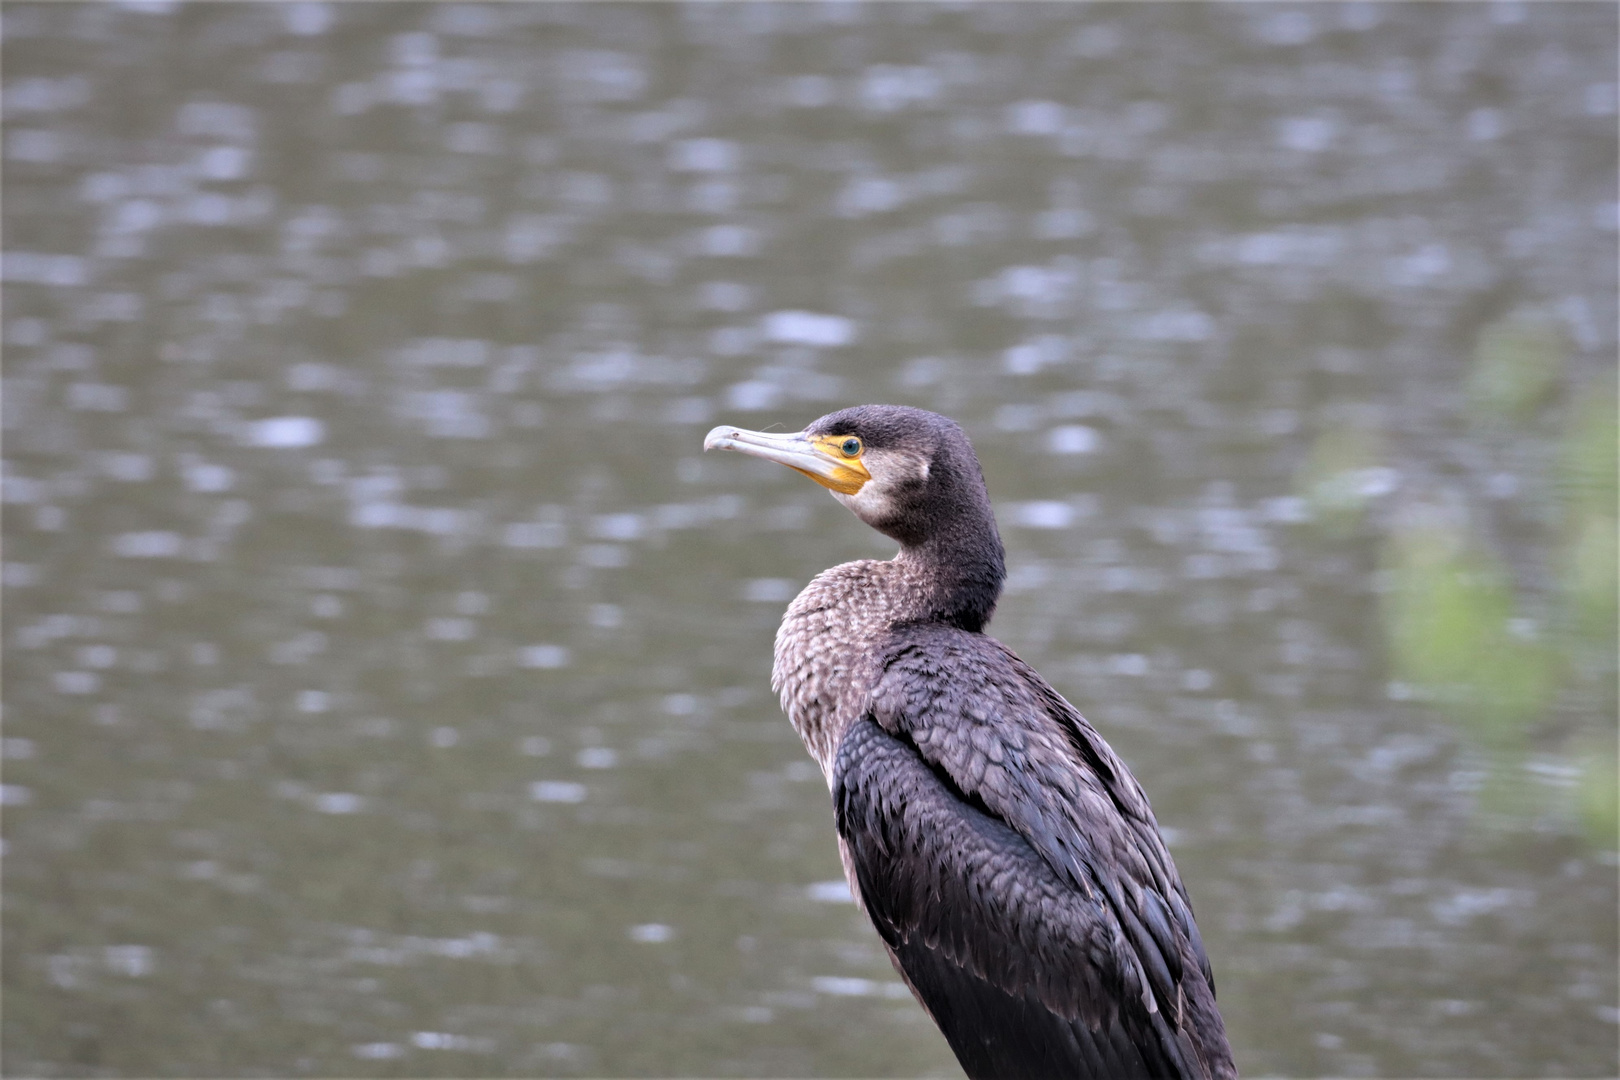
(387, 669)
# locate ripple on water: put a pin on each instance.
(374, 477)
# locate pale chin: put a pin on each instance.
(870, 504)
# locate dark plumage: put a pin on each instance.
(1007, 857)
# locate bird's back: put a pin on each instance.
(1013, 867)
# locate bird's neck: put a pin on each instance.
(958, 571)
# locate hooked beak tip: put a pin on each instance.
(720, 438)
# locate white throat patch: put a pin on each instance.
(892, 471)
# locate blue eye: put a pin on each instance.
(851, 447)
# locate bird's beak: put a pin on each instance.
(817, 456)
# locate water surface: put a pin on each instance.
(386, 668)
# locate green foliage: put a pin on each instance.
(1588, 484)
(1590, 580)
(1598, 793)
(1341, 475)
(1450, 611)
(1516, 364)
(1450, 615)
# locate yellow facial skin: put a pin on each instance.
(848, 473)
(822, 458)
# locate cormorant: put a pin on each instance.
(1006, 855)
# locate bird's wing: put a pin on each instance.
(1012, 865)
(1025, 975)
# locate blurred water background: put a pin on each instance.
(386, 668)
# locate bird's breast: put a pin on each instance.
(827, 651)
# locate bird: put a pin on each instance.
(1007, 857)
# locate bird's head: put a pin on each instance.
(910, 474)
